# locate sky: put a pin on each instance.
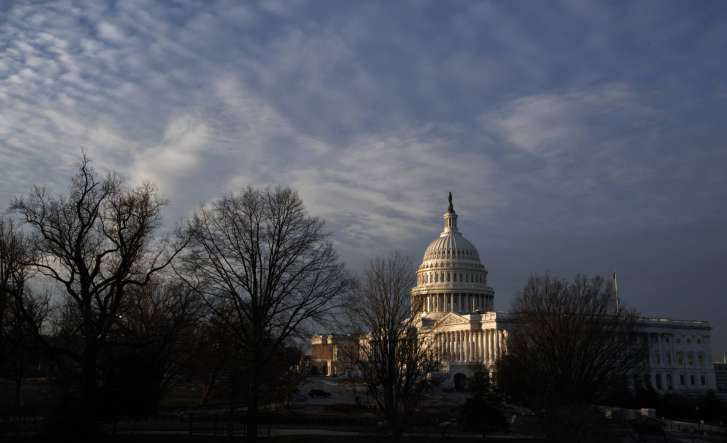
(576, 137)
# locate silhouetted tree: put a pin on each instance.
(215, 353)
(151, 344)
(569, 347)
(97, 240)
(259, 259)
(20, 309)
(392, 359)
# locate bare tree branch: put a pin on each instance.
(259, 255)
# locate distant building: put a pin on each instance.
(333, 354)
(720, 373)
(458, 316)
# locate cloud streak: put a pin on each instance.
(577, 137)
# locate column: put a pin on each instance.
(449, 345)
(466, 345)
(462, 344)
(497, 344)
(453, 357)
(440, 351)
(473, 346)
(486, 345)
(441, 346)
(489, 346)
(479, 346)
(462, 335)
(483, 354)
(452, 345)
(446, 345)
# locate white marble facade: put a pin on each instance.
(680, 355)
(455, 313)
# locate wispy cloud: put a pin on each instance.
(574, 120)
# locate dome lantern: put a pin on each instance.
(450, 218)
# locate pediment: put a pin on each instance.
(451, 319)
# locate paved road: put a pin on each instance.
(322, 432)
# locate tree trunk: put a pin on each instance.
(19, 373)
(252, 408)
(89, 390)
(19, 391)
(391, 410)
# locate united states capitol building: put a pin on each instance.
(457, 314)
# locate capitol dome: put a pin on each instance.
(451, 277)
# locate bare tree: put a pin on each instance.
(569, 346)
(258, 255)
(14, 255)
(20, 309)
(153, 341)
(96, 241)
(393, 360)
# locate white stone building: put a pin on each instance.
(457, 313)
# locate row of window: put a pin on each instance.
(683, 380)
(446, 276)
(680, 359)
(443, 253)
(688, 340)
